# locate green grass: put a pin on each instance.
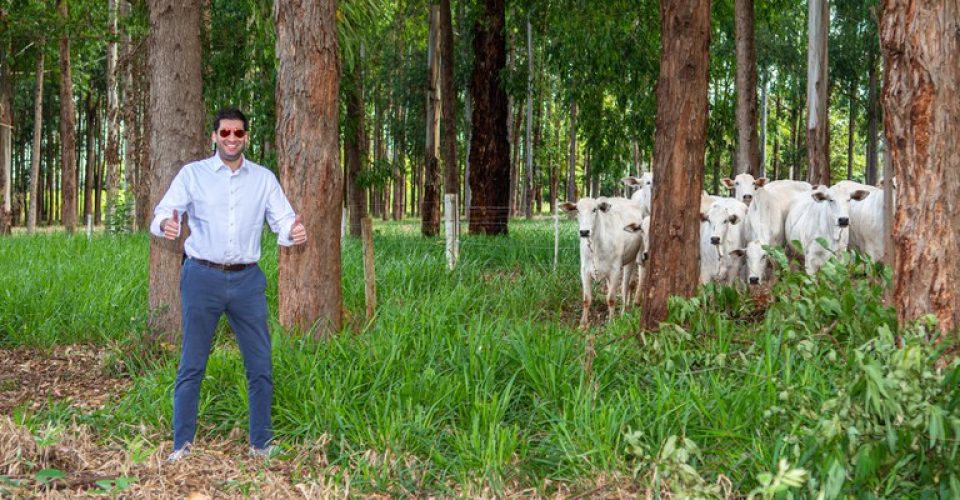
(475, 376)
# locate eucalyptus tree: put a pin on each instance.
(748, 147)
(34, 194)
(681, 128)
(6, 138)
(448, 97)
(308, 143)
(921, 99)
(113, 115)
(430, 204)
(818, 98)
(489, 148)
(68, 130)
(176, 137)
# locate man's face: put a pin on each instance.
(230, 147)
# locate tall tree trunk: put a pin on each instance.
(489, 148)
(679, 147)
(355, 147)
(430, 207)
(176, 137)
(113, 116)
(775, 156)
(6, 144)
(91, 112)
(35, 201)
(467, 161)
(872, 119)
(528, 138)
(399, 183)
(308, 50)
(748, 145)
(851, 123)
(68, 133)
(795, 142)
(921, 100)
(448, 95)
(572, 156)
(818, 125)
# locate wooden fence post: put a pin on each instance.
(369, 275)
(451, 217)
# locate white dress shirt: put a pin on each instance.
(226, 210)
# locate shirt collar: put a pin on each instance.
(216, 164)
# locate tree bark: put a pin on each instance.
(176, 137)
(6, 144)
(355, 147)
(91, 112)
(308, 85)
(748, 144)
(35, 201)
(851, 123)
(528, 138)
(448, 96)
(430, 207)
(68, 133)
(572, 156)
(113, 117)
(679, 147)
(818, 125)
(489, 149)
(921, 99)
(872, 119)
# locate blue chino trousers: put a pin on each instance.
(205, 294)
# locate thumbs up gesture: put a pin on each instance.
(298, 233)
(171, 226)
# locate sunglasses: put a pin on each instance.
(238, 133)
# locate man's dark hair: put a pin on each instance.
(229, 114)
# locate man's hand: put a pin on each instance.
(298, 233)
(171, 227)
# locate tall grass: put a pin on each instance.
(476, 376)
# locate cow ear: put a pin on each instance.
(733, 219)
(859, 194)
(632, 227)
(568, 207)
(703, 217)
(603, 206)
(630, 181)
(818, 195)
(760, 182)
(727, 182)
(738, 252)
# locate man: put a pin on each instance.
(226, 198)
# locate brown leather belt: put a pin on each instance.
(230, 268)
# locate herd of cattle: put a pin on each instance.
(734, 232)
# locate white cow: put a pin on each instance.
(643, 256)
(867, 229)
(743, 186)
(721, 232)
(824, 213)
(758, 264)
(607, 253)
(767, 212)
(644, 190)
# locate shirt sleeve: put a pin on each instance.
(280, 213)
(176, 198)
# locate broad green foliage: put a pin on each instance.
(476, 376)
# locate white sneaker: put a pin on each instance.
(183, 452)
(266, 452)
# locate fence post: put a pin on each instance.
(369, 275)
(89, 226)
(556, 234)
(451, 217)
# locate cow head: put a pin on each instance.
(759, 264)
(744, 186)
(585, 210)
(838, 207)
(719, 218)
(644, 229)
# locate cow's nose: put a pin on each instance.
(646, 256)
(714, 240)
(584, 233)
(843, 221)
(754, 280)
(747, 198)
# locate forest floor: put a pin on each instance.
(73, 460)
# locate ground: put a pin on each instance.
(66, 462)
